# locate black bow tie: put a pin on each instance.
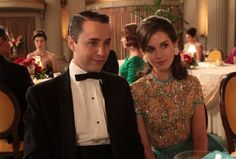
(93, 75)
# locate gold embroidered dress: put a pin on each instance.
(167, 107)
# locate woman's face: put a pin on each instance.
(188, 38)
(160, 52)
(39, 42)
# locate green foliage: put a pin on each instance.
(148, 10)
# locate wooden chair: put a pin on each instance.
(214, 55)
(228, 108)
(9, 121)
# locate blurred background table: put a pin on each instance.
(210, 76)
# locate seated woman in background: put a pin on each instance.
(47, 58)
(230, 59)
(192, 46)
(169, 102)
(133, 62)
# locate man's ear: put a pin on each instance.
(71, 43)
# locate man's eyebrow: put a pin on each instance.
(96, 39)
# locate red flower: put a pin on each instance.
(29, 61)
(33, 67)
(19, 61)
(187, 59)
(38, 69)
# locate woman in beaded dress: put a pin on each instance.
(169, 102)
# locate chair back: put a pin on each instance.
(214, 55)
(9, 120)
(228, 108)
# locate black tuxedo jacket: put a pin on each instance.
(50, 127)
(17, 79)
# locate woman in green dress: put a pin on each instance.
(134, 62)
(169, 102)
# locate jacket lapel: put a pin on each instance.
(68, 137)
(107, 94)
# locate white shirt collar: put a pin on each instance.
(74, 70)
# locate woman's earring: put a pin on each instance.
(176, 51)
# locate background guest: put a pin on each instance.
(192, 46)
(133, 62)
(111, 64)
(13, 76)
(47, 58)
(230, 59)
(169, 102)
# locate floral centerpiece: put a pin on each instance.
(34, 69)
(189, 61)
(15, 43)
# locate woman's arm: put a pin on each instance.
(144, 138)
(199, 132)
(53, 62)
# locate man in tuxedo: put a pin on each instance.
(85, 113)
(13, 76)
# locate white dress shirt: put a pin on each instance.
(89, 109)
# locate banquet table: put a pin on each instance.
(210, 76)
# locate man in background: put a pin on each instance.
(85, 113)
(14, 77)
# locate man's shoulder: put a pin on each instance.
(113, 77)
(14, 67)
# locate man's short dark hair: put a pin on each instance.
(3, 31)
(76, 22)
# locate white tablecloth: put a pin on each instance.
(210, 76)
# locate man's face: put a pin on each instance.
(5, 46)
(93, 46)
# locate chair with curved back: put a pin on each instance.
(228, 108)
(9, 121)
(214, 55)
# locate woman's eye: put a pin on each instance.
(150, 49)
(164, 45)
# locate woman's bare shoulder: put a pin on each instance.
(50, 53)
(31, 54)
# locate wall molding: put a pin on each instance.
(22, 4)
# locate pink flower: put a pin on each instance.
(15, 42)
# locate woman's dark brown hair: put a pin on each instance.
(39, 33)
(192, 32)
(150, 26)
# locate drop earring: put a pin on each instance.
(176, 51)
